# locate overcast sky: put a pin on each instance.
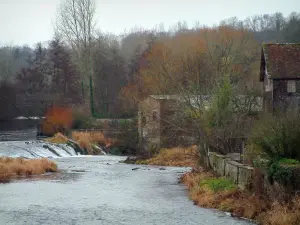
(30, 21)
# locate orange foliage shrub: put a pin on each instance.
(57, 119)
(13, 167)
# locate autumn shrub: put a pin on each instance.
(174, 157)
(57, 119)
(14, 167)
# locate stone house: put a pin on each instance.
(280, 74)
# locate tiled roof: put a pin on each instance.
(282, 61)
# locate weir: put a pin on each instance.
(35, 149)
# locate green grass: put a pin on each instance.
(218, 184)
(286, 161)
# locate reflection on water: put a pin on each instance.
(18, 130)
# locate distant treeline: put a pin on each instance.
(33, 78)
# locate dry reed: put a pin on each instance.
(14, 167)
(183, 157)
(87, 139)
(58, 138)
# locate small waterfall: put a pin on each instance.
(35, 149)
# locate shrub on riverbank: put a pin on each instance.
(87, 140)
(17, 167)
(211, 192)
(277, 137)
(174, 157)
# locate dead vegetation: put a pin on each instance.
(58, 138)
(241, 203)
(18, 167)
(183, 157)
(86, 140)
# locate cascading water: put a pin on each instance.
(35, 149)
(18, 139)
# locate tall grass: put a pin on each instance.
(86, 140)
(174, 157)
(14, 167)
(58, 138)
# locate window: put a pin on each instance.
(291, 86)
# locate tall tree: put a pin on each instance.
(76, 25)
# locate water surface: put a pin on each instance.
(100, 190)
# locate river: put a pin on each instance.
(98, 191)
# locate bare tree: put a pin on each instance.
(76, 25)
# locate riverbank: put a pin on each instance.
(205, 190)
(181, 157)
(209, 191)
(17, 167)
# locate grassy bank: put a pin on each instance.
(174, 157)
(220, 193)
(17, 167)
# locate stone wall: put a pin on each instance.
(239, 173)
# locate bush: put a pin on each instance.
(218, 184)
(280, 173)
(278, 137)
(57, 119)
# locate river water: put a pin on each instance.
(98, 191)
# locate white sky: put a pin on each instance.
(30, 21)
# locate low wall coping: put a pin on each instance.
(246, 167)
(234, 163)
(218, 155)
